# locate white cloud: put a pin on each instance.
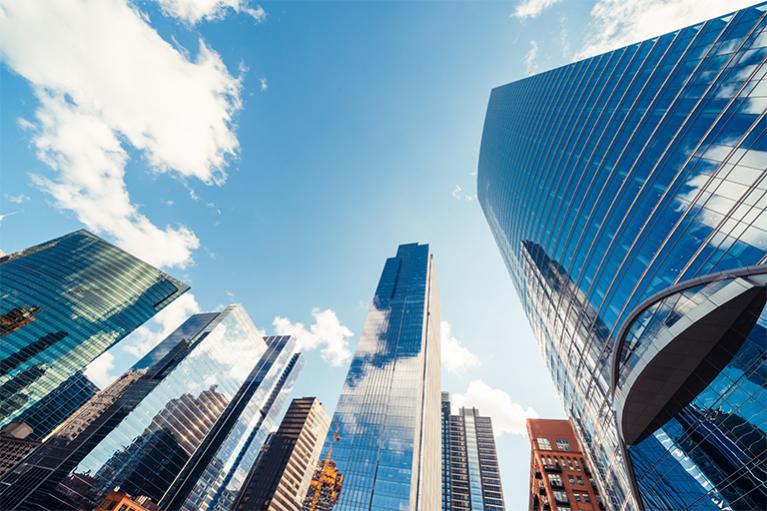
(99, 371)
(508, 416)
(17, 199)
(264, 84)
(326, 333)
(617, 23)
(532, 8)
(194, 11)
(105, 78)
(455, 356)
(149, 335)
(459, 194)
(532, 54)
(3, 216)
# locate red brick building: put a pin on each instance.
(559, 477)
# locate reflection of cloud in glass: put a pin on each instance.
(732, 201)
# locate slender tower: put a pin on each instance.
(385, 434)
(470, 473)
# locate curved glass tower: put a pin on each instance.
(627, 194)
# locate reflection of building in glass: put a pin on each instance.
(388, 415)
(325, 487)
(217, 470)
(15, 445)
(139, 432)
(59, 404)
(122, 501)
(16, 318)
(559, 476)
(64, 303)
(280, 477)
(626, 193)
(471, 477)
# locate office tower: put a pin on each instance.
(559, 476)
(626, 193)
(280, 477)
(142, 430)
(64, 303)
(14, 445)
(446, 472)
(471, 478)
(385, 433)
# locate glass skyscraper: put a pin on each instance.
(627, 194)
(471, 479)
(385, 433)
(62, 304)
(214, 373)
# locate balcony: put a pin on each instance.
(562, 501)
(552, 468)
(557, 485)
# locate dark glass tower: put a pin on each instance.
(141, 432)
(385, 434)
(627, 195)
(471, 478)
(62, 304)
(59, 404)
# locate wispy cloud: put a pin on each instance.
(194, 11)
(3, 216)
(456, 357)
(532, 8)
(327, 333)
(17, 199)
(104, 79)
(263, 84)
(531, 66)
(459, 194)
(508, 416)
(617, 23)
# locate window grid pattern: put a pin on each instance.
(610, 179)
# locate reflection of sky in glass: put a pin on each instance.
(631, 171)
(718, 443)
(90, 295)
(379, 411)
(219, 356)
(233, 451)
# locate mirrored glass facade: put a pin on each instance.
(627, 195)
(140, 432)
(214, 476)
(62, 304)
(385, 433)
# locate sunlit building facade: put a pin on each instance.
(560, 479)
(281, 475)
(213, 373)
(385, 433)
(62, 304)
(627, 195)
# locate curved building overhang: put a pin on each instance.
(679, 361)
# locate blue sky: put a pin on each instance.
(276, 154)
